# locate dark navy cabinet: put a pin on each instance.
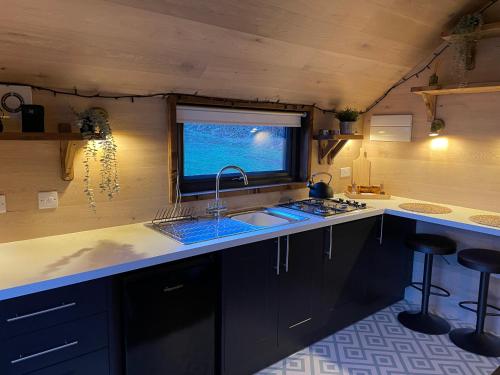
(169, 318)
(56, 331)
(392, 260)
(299, 290)
(270, 293)
(232, 312)
(250, 306)
(369, 268)
(277, 299)
(347, 271)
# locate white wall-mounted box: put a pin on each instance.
(391, 128)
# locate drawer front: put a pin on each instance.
(96, 363)
(49, 346)
(41, 310)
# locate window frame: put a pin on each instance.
(204, 187)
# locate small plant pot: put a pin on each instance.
(346, 127)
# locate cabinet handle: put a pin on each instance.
(41, 312)
(299, 323)
(172, 288)
(287, 252)
(330, 243)
(277, 267)
(31, 356)
(381, 235)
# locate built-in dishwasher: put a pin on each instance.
(169, 319)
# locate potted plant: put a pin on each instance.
(463, 39)
(95, 126)
(347, 117)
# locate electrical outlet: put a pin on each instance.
(345, 172)
(48, 199)
(3, 204)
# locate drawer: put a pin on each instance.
(46, 347)
(41, 310)
(96, 363)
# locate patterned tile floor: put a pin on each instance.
(379, 345)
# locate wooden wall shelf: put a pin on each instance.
(69, 143)
(429, 94)
(329, 146)
(488, 30)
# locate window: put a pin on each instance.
(259, 149)
(264, 143)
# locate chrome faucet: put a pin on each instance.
(217, 207)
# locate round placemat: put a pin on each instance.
(425, 208)
(490, 220)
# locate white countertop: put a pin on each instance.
(40, 264)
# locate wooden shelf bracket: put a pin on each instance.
(430, 105)
(67, 153)
(329, 147)
(328, 150)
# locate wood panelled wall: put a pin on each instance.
(141, 133)
(466, 170)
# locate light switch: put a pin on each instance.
(48, 199)
(345, 172)
(3, 204)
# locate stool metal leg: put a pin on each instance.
(482, 301)
(426, 287)
(423, 321)
(476, 340)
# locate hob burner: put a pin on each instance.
(325, 207)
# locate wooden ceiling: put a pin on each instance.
(330, 52)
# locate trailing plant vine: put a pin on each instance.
(95, 126)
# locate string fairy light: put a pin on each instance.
(163, 95)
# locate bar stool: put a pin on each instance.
(476, 340)
(423, 321)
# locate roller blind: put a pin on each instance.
(221, 116)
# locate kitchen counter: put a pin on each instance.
(40, 264)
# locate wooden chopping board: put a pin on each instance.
(361, 169)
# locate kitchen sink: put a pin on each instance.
(265, 217)
(208, 228)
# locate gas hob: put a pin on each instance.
(325, 207)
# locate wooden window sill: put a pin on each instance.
(201, 195)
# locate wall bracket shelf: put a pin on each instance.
(329, 146)
(429, 94)
(69, 143)
(487, 30)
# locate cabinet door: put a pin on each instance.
(392, 260)
(346, 272)
(170, 318)
(249, 307)
(299, 289)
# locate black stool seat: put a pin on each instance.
(481, 260)
(423, 321)
(431, 244)
(476, 340)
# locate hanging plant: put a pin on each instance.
(94, 125)
(463, 40)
